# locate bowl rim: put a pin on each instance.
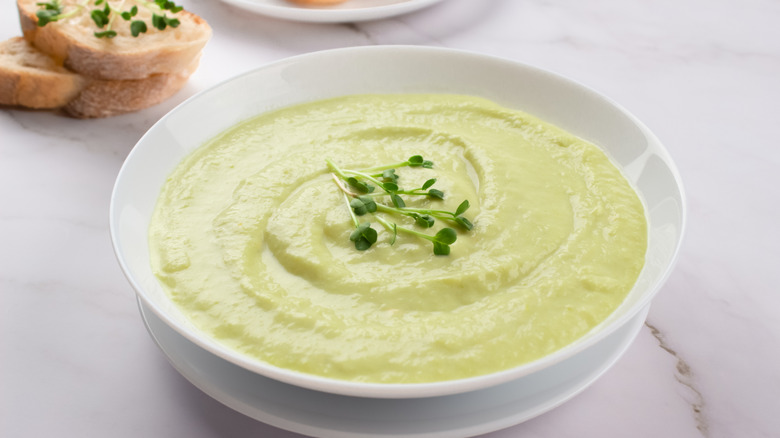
(397, 390)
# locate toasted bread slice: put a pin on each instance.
(72, 41)
(33, 79)
(104, 98)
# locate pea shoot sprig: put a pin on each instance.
(360, 194)
(104, 13)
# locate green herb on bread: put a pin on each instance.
(103, 14)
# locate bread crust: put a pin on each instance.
(72, 42)
(106, 98)
(32, 79)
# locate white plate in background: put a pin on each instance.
(349, 11)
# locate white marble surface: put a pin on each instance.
(75, 359)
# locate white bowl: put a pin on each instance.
(396, 69)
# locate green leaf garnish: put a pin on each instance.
(360, 185)
(463, 222)
(389, 175)
(423, 220)
(441, 248)
(159, 22)
(103, 13)
(462, 208)
(52, 11)
(390, 187)
(447, 236)
(162, 21)
(438, 194)
(419, 161)
(442, 241)
(46, 16)
(358, 188)
(100, 18)
(362, 205)
(128, 15)
(105, 34)
(397, 201)
(53, 5)
(168, 5)
(364, 236)
(137, 27)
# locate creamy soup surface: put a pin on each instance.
(250, 238)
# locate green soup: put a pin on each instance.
(250, 238)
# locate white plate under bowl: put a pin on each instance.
(395, 69)
(317, 413)
(349, 11)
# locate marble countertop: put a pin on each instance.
(704, 75)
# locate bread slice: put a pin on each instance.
(105, 98)
(33, 79)
(72, 41)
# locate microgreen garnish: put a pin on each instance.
(52, 11)
(127, 15)
(360, 186)
(424, 220)
(362, 205)
(137, 27)
(100, 16)
(389, 175)
(103, 15)
(361, 197)
(418, 160)
(364, 236)
(162, 21)
(441, 240)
